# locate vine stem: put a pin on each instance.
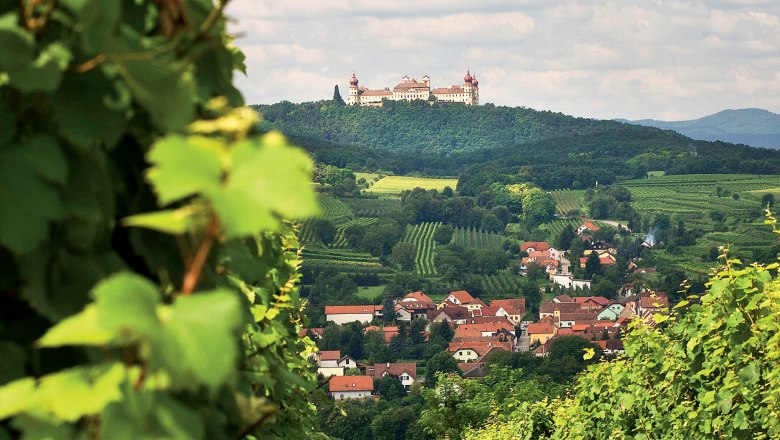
(192, 276)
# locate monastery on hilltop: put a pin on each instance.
(410, 89)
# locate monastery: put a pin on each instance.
(410, 89)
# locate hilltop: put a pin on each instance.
(751, 126)
(568, 152)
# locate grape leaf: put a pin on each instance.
(27, 202)
(197, 344)
(185, 166)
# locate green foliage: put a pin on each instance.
(422, 236)
(177, 322)
(439, 363)
(707, 371)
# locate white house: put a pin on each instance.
(350, 387)
(346, 314)
(328, 363)
(406, 372)
(568, 281)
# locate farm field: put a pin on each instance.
(342, 260)
(695, 194)
(569, 203)
(395, 185)
(372, 207)
(504, 284)
(477, 239)
(370, 292)
(422, 237)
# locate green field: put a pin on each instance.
(370, 292)
(477, 239)
(422, 237)
(395, 185)
(341, 239)
(569, 203)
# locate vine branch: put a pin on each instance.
(192, 275)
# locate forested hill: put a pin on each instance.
(417, 126)
(562, 151)
(751, 126)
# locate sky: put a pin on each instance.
(633, 59)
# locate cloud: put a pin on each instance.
(612, 58)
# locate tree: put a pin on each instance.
(491, 223)
(768, 200)
(443, 234)
(323, 229)
(593, 266)
(489, 261)
(390, 388)
(439, 363)
(393, 423)
(403, 255)
(337, 99)
(565, 237)
(538, 207)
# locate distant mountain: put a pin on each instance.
(751, 126)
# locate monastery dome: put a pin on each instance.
(468, 77)
(353, 81)
(475, 82)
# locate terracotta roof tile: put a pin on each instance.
(351, 383)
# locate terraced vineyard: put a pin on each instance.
(504, 284)
(341, 238)
(694, 194)
(477, 239)
(333, 209)
(422, 237)
(569, 203)
(342, 260)
(395, 185)
(365, 207)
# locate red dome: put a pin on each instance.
(353, 81)
(475, 82)
(467, 78)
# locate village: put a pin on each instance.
(481, 328)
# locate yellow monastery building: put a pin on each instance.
(410, 89)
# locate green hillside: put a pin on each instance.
(446, 140)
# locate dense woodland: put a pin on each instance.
(562, 151)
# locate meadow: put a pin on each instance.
(395, 185)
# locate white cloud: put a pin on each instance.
(611, 58)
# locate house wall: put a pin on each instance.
(347, 395)
(346, 318)
(465, 355)
(330, 371)
(541, 337)
(348, 363)
(329, 364)
(608, 314)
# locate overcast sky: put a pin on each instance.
(633, 59)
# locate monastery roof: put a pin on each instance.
(447, 90)
(410, 85)
(351, 383)
(367, 92)
(348, 310)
